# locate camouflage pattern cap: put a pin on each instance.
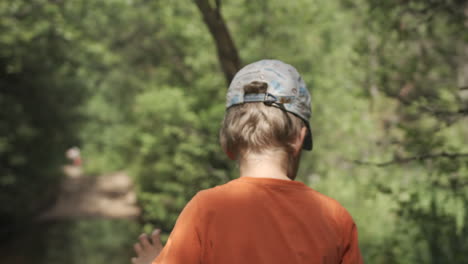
(286, 90)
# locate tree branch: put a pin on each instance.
(410, 159)
(429, 110)
(227, 51)
(461, 111)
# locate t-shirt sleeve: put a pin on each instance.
(351, 253)
(184, 243)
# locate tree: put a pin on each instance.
(227, 53)
(39, 95)
(417, 60)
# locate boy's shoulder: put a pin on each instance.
(222, 191)
(238, 190)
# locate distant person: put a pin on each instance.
(74, 154)
(264, 216)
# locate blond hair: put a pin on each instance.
(256, 127)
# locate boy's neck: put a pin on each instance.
(268, 165)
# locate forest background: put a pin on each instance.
(139, 86)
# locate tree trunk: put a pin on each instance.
(227, 53)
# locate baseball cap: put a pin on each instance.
(286, 90)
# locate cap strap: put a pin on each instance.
(267, 98)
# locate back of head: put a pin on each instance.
(257, 128)
(268, 104)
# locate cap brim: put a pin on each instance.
(308, 140)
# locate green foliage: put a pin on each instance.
(170, 149)
(156, 112)
(89, 241)
(39, 95)
(417, 64)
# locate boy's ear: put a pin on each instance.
(300, 141)
(229, 154)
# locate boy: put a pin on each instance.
(264, 216)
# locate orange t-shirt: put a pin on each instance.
(262, 220)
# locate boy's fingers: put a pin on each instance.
(155, 237)
(138, 249)
(144, 241)
(134, 260)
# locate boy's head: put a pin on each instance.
(268, 104)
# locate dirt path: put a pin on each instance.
(103, 198)
(107, 196)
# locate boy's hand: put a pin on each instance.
(147, 250)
